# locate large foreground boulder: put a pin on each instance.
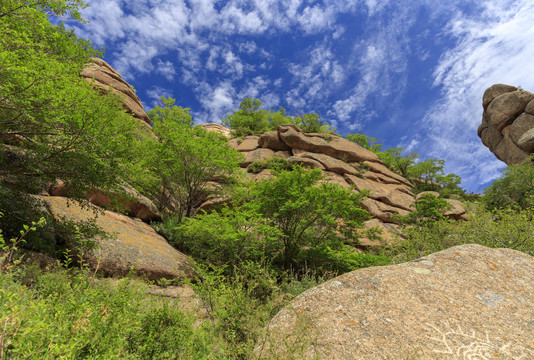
(129, 244)
(466, 302)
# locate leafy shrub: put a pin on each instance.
(428, 209)
(231, 236)
(274, 163)
(338, 261)
(497, 228)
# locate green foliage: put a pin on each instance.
(308, 213)
(311, 123)
(166, 111)
(366, 142)
(338, 261)
(231, 236)
(184, 161)
(515, 187)
(497, 228)
(250, 119)
(273, 163)
(428, 209)
(54, 122)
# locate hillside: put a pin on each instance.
(137, 235)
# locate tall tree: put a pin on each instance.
(53, 123)
(184, 160)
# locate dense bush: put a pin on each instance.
(274, 163)
(496, 228)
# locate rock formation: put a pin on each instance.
(507, 127)
(129, 244)
(104, 77)
(133, 203)
(342, 162)
(466, 302)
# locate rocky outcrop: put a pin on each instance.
(507, 127)
(103, 76)
(219, 129)
(128, 244)
(342, 162)
(466, 302)
(133, 203)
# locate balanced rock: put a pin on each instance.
(466, 302)
(507, 127)
(103, 76)
(128, 244)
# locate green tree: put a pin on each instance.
(397, 162)
(52, 123)
(427, 170)
(249, 119)
(366, 142)
(184, 161)
(309, 213)
(311, 123)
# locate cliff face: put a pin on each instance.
(342, 162)
(507, 127)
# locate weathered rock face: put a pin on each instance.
(219, 129)
(342, 162)
(131, 244)
(135, 204)
(466, 302)
(507, 127)
(104, 77)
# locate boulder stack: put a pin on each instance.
(342, 162)
(507, 127)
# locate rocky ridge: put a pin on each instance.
(101, 75)
(466, 302)
(507, 127)
(342, 162)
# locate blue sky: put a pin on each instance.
(409, 73)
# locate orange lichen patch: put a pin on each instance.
(352, 323)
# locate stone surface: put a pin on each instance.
(219, 129)
(331, 164)
(305, 162)
(249, 143)
(133, 203)
(256, 155)
(272, 140)
(382, 211)
(338, 148)
(466, 302)
(423, 193)
(386, 193)
(520, 126)
(526, 142)
(104, 77)
(381, 169)
(388, 233)
(495, 90)
(457, 210)
(129, 244)
(507, 123)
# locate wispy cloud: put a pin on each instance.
(493, 46)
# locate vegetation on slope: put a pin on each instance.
(268, 242)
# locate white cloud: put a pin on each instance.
(494, 46)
